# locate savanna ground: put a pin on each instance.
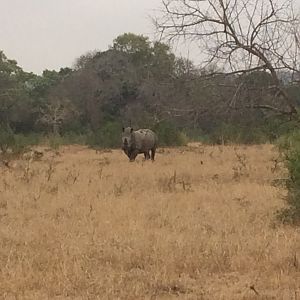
(199, 223)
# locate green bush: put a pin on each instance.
(237, 134)
(68, 138)
(108, 136)
(16, 143)
(169, 135)
(276, 127)
(197, 135)
(289, 146)
(71, 138)
(28, 139)
(23, 142)
(7, 138)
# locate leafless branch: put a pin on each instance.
(239, 36)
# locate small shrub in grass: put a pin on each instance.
(55, 141)
(290, 148)
(183, 139)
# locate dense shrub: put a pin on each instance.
(237, 134)
(289, 146)
(108, 136)
(197, 135)
(23, 142)
(267, 131)
(16, 143)
(7, 138)
(170, 135)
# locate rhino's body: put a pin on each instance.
(140, 141)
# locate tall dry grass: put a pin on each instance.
(197, 224)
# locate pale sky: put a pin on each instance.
(49, 34)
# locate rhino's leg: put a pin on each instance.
(147, 155)
(133, 155)
(126, 152)
(153, 153)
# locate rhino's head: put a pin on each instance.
(127, 139)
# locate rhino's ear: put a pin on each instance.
(131, 129)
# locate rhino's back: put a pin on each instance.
(145, 139)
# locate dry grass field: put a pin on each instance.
(199, 223)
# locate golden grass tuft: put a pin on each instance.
(199, 223)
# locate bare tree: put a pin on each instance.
(240, 36)
(56, 113)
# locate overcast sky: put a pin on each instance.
(50, 34)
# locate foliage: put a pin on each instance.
(108, 136)
(142, 83)
(27, 140)
(198, 135)
(290, 148)
(14, 100)
(233, 133)
(169, 135)
(137, 46)
(55, 141)
(138, 82)
(15, 143)
(7, 139)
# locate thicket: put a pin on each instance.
(289, 146)
(134, 82)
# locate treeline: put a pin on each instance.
(143, 84)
